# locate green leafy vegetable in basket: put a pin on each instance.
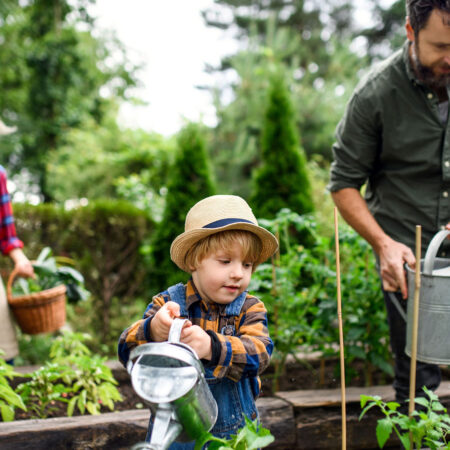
(50, 272)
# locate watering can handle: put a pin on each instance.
(433, 247)
(175, 330)
(394, 300)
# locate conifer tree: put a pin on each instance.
(190, 180)
(282, 180)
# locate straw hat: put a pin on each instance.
(219, 213)
(4, 129)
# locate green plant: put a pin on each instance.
(73, 376)
(44, 389)
(430, 426)
(92, 385)
(189, 181)
(8, 398)
(251, 436)
(282, 179)
(51, 273)
(89, 382)
(299, 292)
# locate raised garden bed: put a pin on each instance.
(299, 419)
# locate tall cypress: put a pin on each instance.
(190, 180)
(282, 180)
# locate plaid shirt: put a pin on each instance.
(8, 237)
(245, 354)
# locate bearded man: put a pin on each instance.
(395, 138)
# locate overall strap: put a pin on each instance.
(177, 294)
(234, 308)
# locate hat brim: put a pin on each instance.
(182, 243)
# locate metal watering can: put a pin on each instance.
(433, 337)
(169, 377)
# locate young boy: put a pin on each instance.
(221, 247)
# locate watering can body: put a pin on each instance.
(169, 377)
(433, 337)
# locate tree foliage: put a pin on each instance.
(190, 180)
(282, 180)
(57, 78)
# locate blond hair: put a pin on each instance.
(251, 246)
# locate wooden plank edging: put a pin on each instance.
(332, 397)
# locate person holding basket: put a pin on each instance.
(10, 246)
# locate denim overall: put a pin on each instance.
(234, 399)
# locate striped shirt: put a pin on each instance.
(244, 354)
(8, 237)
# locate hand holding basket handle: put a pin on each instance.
(22, 265)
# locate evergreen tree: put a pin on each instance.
(190, 180)
(281, 181)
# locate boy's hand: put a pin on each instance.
(161, 323)
(198, 339)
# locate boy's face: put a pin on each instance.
(223, 275)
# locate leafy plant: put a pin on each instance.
(50, 273)
(8, 398)
(73, 376)
(45, 388)
(90, 383)
(430, 427)
(299, 291)
(251, 436)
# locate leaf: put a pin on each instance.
(71, 406)
(10, 397)
(422, 401)
(71, 273)
(404, 438)
(7, 412)
(44, 254)
(92, 408)
(384, 430)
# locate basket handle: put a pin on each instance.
(10, 282)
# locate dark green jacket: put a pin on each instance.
(391, 137)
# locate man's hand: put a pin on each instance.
(161, 323)
(198, 339)
(393, 255)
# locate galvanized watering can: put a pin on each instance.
(169, 377)
(433, 338)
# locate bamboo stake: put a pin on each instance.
(341, 332)
(412, 373)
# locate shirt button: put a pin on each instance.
(430, 95)
(445, 194)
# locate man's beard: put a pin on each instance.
(425, 73)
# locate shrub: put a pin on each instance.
(104, 238)
(282, 180)
(190, 181)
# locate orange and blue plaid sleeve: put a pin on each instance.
(246, 354)
(8, 237)
(139, 332)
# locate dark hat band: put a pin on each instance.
(223, 222)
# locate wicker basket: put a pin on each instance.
(39, 312)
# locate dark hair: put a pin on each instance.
(419, 11)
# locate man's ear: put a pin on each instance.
(409, 31)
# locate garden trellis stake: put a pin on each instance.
(341, 332)
(412, 373)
